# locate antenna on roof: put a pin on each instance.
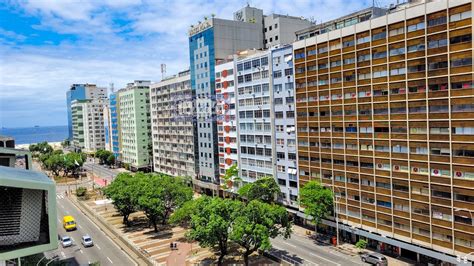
(111, 85)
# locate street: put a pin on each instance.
(101, 173)
(302, 250)
(104, 250)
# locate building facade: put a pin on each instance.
(82, 92)
(173, 126)
(209, 41)
(384, 117)
(280, 29)
(284, 137)
(226, 116)
(114, 125)
(88, 124)
(255, 120)
(135, 124)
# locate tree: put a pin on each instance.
(231, 175)
(264, 189)
(73, 161)
(211, 220)
(66, 143)
(317, 201)
(41, 148)
(160, 195)
(54, 163)
(258, 222)
(102, 155)
(361, 244)
(111, 160)
(123, 193)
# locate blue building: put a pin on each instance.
(114, 123)
(209, 41)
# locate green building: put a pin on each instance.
(135, 124)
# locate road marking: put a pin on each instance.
(318, 247)
(97, 246)
(60, 205)
(110, 260)
(59, 220)
(62, 253)
(287, 259)
(82, 252)
(312, 254)
(89, 262)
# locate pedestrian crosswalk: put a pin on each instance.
(60, 196)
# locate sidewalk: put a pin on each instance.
(351, 250)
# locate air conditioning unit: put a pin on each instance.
(459, 174)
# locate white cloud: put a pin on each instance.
(113, 41)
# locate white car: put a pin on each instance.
(66, 241)
(87, 241)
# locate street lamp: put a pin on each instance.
(336, 213)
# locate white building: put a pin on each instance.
(173, 126)
(226, 116)
(88, 124)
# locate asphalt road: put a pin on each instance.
(305, 251)
(100, 170)
(104, 250)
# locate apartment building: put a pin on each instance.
(88, 124)
(114, 125)
(173, 126)
(254, 108)
(284, 141)
(215, 39)
(226, 117)
(385, 112)
(82, 92)
(135, 124)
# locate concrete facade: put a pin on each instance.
(284, 141)
(280, 29)
(209, 41)
(135, 124)
(88, 124)
(82, 92)
(173, 126)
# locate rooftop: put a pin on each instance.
(15, 177)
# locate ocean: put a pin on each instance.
(29, 135)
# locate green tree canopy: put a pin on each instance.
(264, 189)
(317, 200)
(41, 148)
(258, 222)
(123, 191)
(211, 222)
(73, 162)
(111, 160)
(54, 162)
(160, 195)
(103, 156)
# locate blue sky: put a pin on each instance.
(46, 45)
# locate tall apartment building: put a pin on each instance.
(88, 124)
(173, 126)
(212, 40)
(284, 141)
(255, 120)
(114, 125)
(385, 113)
(82, 92)
(226, 116)
(135, 124)
(209, 41)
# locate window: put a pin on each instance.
(461, 39)
(348, 43)
(461, 62)
(414, 27)
(288, 72)
(397, 51)
(437, 21)
(396, 31)
(437, 43)
(277, 74)
(349, 60)
(460, 16)
(416, 48)
(379, 36)
(363, 40)
(247, 65)
(397, 71)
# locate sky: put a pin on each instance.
(47, 45)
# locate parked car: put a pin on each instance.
(374, 258)
(87, 241)
(66, 241)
